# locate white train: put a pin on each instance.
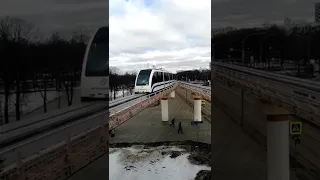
(153, 80)
(95, 68)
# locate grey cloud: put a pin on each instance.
(79, 1)
(247, 13)
(68, 22)
(186, 62)
(177, 43)
(65, 17)
(174, 65)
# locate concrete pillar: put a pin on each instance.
(197, 108)
(172, 94)
(278, 152)
(164, 109)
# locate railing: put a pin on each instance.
(204, 88)
(204, 91)
(302, 97)
(130, 109)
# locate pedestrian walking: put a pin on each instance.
(180, 128)
(172, 122)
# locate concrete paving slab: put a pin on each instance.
(147, 126)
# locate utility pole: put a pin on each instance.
(243, 43)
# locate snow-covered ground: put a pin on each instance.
(29, 102)
(151, 163)
(120, 94)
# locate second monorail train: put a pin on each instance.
(95, 68)
(153, 80)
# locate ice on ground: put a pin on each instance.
(151, 163)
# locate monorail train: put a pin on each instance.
(153, 80)
(95, 67)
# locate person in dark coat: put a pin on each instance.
(172, 122)
(180, 128)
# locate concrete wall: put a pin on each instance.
(186, 94)
(229, 100)
(61, 160)
(254, 123)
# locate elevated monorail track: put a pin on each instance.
(43, 137)
(31, 127)
(299, 96)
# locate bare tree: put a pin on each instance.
(43, 88)
(123, 88)
(72, 64)
(69, 82)
(114, 83)
(80, 37)
(14, 34)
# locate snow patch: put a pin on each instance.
(29, 101)
(151, 163)
(120, 93)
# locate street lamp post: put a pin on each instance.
(229, 56)
(270, 48)
(244, 40)
(243, 53)
(187, 77)
(264, 38)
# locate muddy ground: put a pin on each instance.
(200, 153)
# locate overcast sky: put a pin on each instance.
(64, 16)
(249, 13)
(174, 34)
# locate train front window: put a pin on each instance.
(98, 57)
(143, 77)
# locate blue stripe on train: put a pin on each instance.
(160, 85)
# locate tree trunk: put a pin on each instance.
(6, 104)
(66, 86)
(282, 61)
(34, 83)
(58, 90)
(18, 115)
(45, 95)
(298, 68)
(59, 102)
(71, 91)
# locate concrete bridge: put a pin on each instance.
(250, 115)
